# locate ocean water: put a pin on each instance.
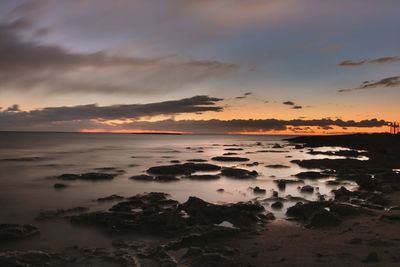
(30, 161)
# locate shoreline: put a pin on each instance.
(356, 228)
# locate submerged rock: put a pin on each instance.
(239, 173)
(230, 154)
(52, 214)
(304, 211)
(142, 177)
(203, 177)
(277, 166)
(30, 258)
(281, 183)
(13, 232)
(277, 205)
(182, 169)
(90, 176)
(234, 149)
(311, 175)
(60, 186)
(110, 198)
(307, 189)
(230, 159)
(197, 160)
(342, 193)
(324, 218)
(258, 190)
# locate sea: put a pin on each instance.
(31, 161)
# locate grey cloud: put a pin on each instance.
(245, 95)
(93, 117)
(13, 118)
(289, 103)
(28, 65)
(386, 82)
(381, 60)
(292, 104)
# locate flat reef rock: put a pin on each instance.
(154, 213)
(13, 232)
(230, 159)
(183, 169)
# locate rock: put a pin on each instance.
(230, 154)
(307, 189)
(197, 160)
(345, 209)
(229, 159)
(52, 214)
(234, 149)
(270, 216)
(90, 176)
(258, 190)
(30, 258)
(366, 182)
(239, 214)
(110, 198)
(13, 232)
(175, 161)
(333, 182)
(277, 146)
(182, 169)
(277, 205)
(378, 199)
(142, 177)
(342, 153)
(154, 213)
(239, 173)
(304, 210)
(324, 218)
(371, 257)
(60, 186)
(311, 175)
(283, 182)
(203, 177)
(342, 193)
(277, 166)
(213, 260)
(221, 190)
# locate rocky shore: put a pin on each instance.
(358, 226)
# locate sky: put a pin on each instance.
(200, 66)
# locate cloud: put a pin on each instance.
(381, 60)
(130, 117)
(297, 107)
(14, 118)
(289, 103)
(245, 95)
(386, 82)
(292, 104)
(26, 65)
